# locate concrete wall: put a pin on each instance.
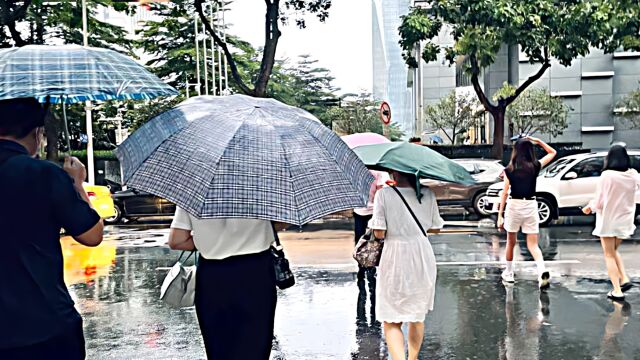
(592, 86)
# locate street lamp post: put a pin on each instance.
(90, 164)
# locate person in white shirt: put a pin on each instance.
(615, 209)
(235, 295)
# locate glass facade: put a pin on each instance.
(389, 69)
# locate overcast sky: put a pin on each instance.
(342, 44)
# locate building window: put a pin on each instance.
(462, 79)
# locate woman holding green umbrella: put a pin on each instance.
(403, 215)
(407, 272)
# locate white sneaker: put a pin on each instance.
(507, 276)
(543, 280)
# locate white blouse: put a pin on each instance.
(615, 204)
(218, 239)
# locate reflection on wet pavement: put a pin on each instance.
(327, 316)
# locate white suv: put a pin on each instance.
(565, 186)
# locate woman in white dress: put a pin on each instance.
(615, 209)
(407, 270)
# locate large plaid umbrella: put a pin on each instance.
(72, 73)
(244, 157)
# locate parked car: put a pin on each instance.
(471, 197)
(565, 186)
(101, 200)
(131, 203)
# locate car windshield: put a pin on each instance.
(555, 168)
(468, 166)
(491, 166)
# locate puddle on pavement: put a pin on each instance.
(325, 316)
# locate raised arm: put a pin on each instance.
(551, 152)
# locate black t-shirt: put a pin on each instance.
(523, 181)
(38, 199)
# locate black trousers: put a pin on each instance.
(236, 303)
(69, 345)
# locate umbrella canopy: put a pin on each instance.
(243, 157)
(72, 73)
(361, 139)
(413, 159)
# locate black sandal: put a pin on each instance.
(626, 286)
(615, 298)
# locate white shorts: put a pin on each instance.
(522, 214)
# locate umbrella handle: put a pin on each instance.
(66, 126)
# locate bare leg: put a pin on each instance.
(395, 340)
(609, 248)
(534, 249)
(416, 334)
(623, 274)
(511, 243)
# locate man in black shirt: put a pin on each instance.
(37, 316)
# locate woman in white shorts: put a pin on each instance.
(522, 208)
(615, 209)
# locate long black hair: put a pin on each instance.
(523, 156)
(617, 159)
(412, 179)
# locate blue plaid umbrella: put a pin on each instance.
(72, 73)
(244, 157)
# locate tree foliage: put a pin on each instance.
(537, 111)
(276, 12)
(454, 115)
(359, 115)
(629, 107)
(51, 22)
(543, 29)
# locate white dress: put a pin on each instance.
(615, 204)
(407, 273)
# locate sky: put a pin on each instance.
(342, 44)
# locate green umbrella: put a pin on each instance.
(413, 159)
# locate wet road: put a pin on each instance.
(326, 316)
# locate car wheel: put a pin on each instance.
(545, 211)
(116, 218)
(480, 205)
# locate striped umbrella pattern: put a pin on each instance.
(72, 73)
(243, 157)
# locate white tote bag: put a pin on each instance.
(179, 286)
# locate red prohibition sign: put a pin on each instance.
(385, 113)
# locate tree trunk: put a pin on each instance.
(51, 132)
(272, 35)
(497, 150)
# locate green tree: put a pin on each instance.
(537, 111)
(543, 29)
(454, 115)
(359, 114)
(313, 88)
(277, 12)
(629, 107)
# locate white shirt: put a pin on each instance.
(218, 239)
(615, 204)
(391, 214)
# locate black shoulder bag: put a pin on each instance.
(284, 276)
